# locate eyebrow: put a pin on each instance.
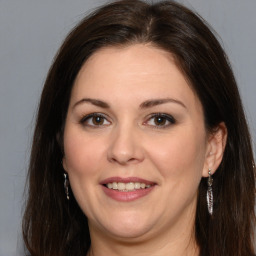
(145, 104)
(155, 102)
(95, 102)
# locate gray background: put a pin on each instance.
(30, 34)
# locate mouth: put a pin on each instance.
(127, 189)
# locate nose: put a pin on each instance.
(125, 146)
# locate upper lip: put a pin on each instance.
(126, 180)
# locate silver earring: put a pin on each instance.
(209, 195)
(66, 184)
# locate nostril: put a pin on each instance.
(125, 161)
(125, 151)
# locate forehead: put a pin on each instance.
(139, 71)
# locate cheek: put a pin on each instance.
(81, 153)
(83, 159)
(179, 155)
(179, 160)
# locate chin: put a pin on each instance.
(125, 227)
(131, 233)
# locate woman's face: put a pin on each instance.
(135, 143)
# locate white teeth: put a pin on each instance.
(114, 185)
(110, 185)
(131, 186)
(142, 185)
(120, 186)
(137, 185)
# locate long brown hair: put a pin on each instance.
(53, 226)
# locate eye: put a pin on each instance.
(94, 120)
(160, 120)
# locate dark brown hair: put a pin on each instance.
(53, 226)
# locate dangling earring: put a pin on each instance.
(66, 184)
(209, 196)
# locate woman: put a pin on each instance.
(140, 119)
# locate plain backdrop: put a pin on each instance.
(30, 34)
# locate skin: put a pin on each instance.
(129, 142)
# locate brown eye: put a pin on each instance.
(95, 120)
(160, 121)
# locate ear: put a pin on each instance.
(215, 149)
(64, 164)
(59, 141)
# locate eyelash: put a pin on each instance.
(165, 118)
(85, 120)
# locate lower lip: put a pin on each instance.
(127, 196)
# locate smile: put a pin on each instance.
(125, 187)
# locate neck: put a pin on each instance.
(143, 250)
(179, 242)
